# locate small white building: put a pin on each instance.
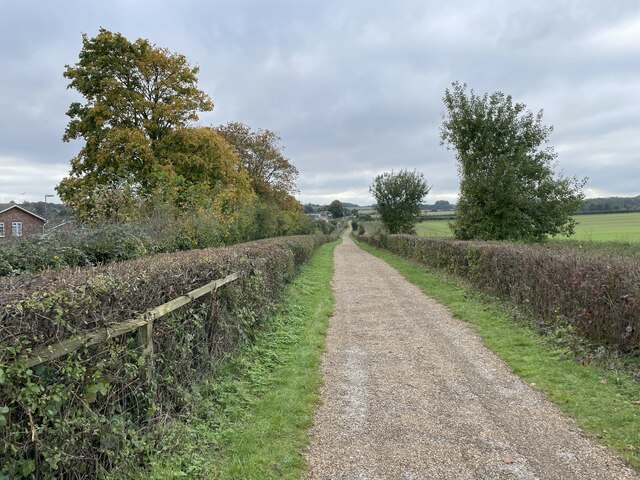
(321, 216)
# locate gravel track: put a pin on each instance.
(412, 393)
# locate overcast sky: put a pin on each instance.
(354, 88)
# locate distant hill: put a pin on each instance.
(610, 204)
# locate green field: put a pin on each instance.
(433, 228)
(621, 227)
(606, 227)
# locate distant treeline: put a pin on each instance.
(610, 204)
(440, 205)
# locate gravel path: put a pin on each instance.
(412, 393)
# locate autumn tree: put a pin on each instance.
(398, 197)
(272, 175)
(197, 168)
(508, 190)
(135, 94)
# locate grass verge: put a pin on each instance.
(605, 404)
(250, 419)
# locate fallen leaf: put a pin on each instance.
(603, 381)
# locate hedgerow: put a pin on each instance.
(83, 413)
(596, 294)
(96, 245)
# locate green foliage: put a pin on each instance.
(324, 227)
(336, 209)
(507, 185)
(354, 225)
(84, 413)
(398, 197)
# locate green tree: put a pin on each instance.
(336, 209)
(135, 94)
(508, 190)
(398, 196)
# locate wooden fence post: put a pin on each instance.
(145, 341)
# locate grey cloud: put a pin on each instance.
(353, 88)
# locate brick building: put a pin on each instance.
(16, 222)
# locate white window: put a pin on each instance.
(1, 229)
(16, 229)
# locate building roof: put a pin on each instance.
(24, 210)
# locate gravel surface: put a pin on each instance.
(412, 393)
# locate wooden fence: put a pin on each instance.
(143, 324)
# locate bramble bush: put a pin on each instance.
(80, 415)
(597, 294)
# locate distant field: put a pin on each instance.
(438, 213)
(612, 227)
(622, 227)
(433, 228)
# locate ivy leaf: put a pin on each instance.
(27, 467)
(91, 391)
(3, 419)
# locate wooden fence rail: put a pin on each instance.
(142, 323)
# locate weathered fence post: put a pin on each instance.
(145, 341)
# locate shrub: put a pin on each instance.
(81, 414)
(354, 225)
(599, 295)
(324, 227)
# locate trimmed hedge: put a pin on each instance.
(596, 294)
(83, 413)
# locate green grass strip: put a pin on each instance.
(251, 419)
(604, 404)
